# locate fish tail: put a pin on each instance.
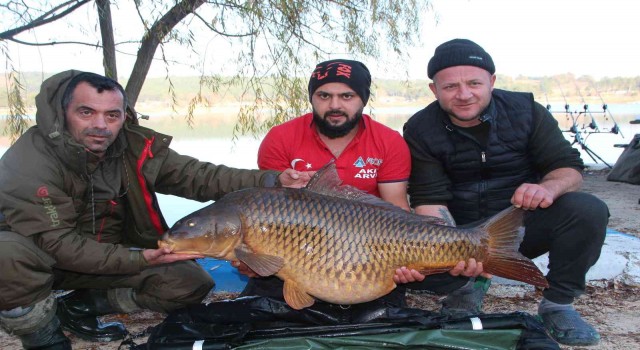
(505, 235)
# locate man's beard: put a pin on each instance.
(336, 131)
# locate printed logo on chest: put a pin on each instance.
(370, 173)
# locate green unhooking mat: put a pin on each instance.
(265, 323)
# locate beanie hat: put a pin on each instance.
(459, 52)
(353, 73)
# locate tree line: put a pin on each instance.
(564, 87)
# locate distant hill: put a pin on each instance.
(564, 88)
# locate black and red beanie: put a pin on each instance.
(353, 73)
(459, 52)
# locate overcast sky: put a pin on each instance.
(544, 37)
(524, 37)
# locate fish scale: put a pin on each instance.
(354, 242)
(340, 245)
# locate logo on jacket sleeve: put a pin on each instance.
(50, 209)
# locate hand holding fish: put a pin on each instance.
(469, 269)
(244, 269)
(404, 275)
(295, 179)
(165, 256)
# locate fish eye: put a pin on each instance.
(191, 224)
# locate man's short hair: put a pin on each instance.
(99, 82)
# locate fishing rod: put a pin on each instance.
(615, 129)
(567, 112)
(593, 124)
(576, 130)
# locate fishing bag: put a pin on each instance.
(266, 323)
(627, 167)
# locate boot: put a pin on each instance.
(565, 325)
(49, 337)
(466, 301)
(568, 328)
(37, 326)
(78, 313)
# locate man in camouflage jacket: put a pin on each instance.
(77, 192)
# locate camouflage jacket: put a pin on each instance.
(87, 213)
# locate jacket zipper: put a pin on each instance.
(148, 200)
(483, 184)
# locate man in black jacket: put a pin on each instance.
(477, 150)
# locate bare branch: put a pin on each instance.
(44, 19)
(108, 42)
(204, 21)
(151, 41)
(51, 43)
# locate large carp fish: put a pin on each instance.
(342, 245)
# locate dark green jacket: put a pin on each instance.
(87, 213)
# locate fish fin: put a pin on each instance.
(327, 182)
(295, 297)
(262, 264)
(504, 259)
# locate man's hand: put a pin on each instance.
(295, 179)
(553, 185)
(531, 197)
(404, 275)
(244, 269)
(165, 256)
(469, 269)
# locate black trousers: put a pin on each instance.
(572, 230)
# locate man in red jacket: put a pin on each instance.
(368, 155)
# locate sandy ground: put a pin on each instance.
(614, 309)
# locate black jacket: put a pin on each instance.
(476, 180)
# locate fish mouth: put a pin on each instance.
(166, 243)
(188, 246)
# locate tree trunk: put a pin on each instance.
(150, 43)
(108, 42)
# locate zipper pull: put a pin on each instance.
(484, 157)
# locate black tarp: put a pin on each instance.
(265, 323)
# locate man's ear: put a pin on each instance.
(432, 87)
